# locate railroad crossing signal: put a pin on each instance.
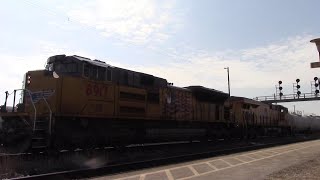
(315, 86)
(280, 89)
(298, 87)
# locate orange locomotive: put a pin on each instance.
(80, 102)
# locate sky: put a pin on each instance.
(188, 42)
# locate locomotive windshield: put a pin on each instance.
(63, 65)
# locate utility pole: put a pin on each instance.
(227, 68)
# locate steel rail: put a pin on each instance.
(124, 167)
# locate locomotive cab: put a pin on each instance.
(78, 66)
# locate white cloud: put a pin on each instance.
(136, 21)
(253, 72)
(13, 67)
(255, 68)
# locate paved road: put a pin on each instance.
(259, 164)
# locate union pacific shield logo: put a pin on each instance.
(36, 96)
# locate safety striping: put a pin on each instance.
(273, 150)
(226, 162)
(239, 159)
(255, 156)
(263, 154)
(212, 166)
(195, 172)
(169, 175)
(245, 156)
(248, 162)
(142, 177)
(267, 153)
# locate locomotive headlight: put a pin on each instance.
(28, 80)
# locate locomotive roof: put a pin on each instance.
(94, 62)
(207, 94)
(253, 102)
(246, 100)
(63, 57)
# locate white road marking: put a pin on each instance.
(265, 154)
(142, 177)
(273, 152)
(129, 177)
(248, 162)
(244, 155)
(242, 161)
(195, 172)
(169, 175)
(226, 162)
(212, 166)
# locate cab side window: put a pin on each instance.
(86, 70)
(101, 74)
(109, 75)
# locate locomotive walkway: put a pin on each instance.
(259, 164)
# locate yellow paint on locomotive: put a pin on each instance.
(249, 112)
(39, 83)
(85, 98)
(81, 97)
(208, 112)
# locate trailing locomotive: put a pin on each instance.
(79, 102)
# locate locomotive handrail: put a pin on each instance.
(34, 107)
(50, 116)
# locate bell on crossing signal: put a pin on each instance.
(280, 82)
(298, 86)
(315, 78)
(297, 80)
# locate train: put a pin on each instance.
(79, 102)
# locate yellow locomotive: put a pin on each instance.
(79, 102)
(257, 118)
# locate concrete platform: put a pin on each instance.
(259, 164)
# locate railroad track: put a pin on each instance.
(142, 164)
